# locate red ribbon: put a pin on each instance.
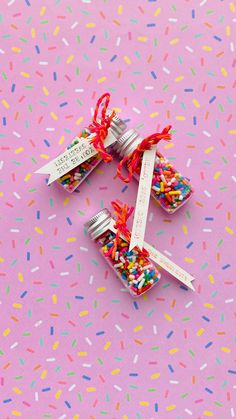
(133, 159)
(100, 128)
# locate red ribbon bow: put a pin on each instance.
(135, 156)
(101, 128)
(122, 213)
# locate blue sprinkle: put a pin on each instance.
(194, 120)
(156, 407)
(27, 2)
(69, 221)
(113, 58)
(212, 99)
(28, 256)
(51, 330)
(170, 334)
(231, 371)
(47, 143)
(79, 297)
(68, 257)
(13, 87)
(23, 294)
(38, 215)
(217, 38)
(7, 401)
(154, 75)
(136, 305)
(183, 288)
(208, 390)
(37, 49)
(193, 14)
(133, 374)
(206, 318)
(86, 377)
(226, 266)
(189, 245)
(63, 104)
(54, 76)
(151, 25)
(152, 1)
(124, 188)
(46, 389)
(208, 345)
(68, 404)
(209, 218)
(127, 120)
(4, 121)
(188, 90)
(100, 333)
(92, 39)
(171, 368)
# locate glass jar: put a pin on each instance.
(71, 180)
(133, 268)
(169, 188)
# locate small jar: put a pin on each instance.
(169, 188)
(71, 180)
(136, 271)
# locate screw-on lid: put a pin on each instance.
(127, 143)
(118, 126)
(99, 223)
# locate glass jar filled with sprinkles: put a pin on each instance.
(71, 180)
(169, 188)
(132, 267)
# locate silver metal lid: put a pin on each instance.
(99, 223)
(127, 143)
(118, 126)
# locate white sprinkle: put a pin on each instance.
(64, 40)
(73, 26)
(150, 218)
(140, 277)
(38, 323)
(118, 41)
(188, 411)
(207, 193)
(16, 134)
(87, 365)
(155, 188)
(188, 304)
(16, 195)
(1, 164)
(36, 396)
(189, 49)
(43, 62)
(136, 110)
(11, 2)
(234, 178)
(51, 359)
(118, 328)
(167, 253)
(71, 387)
(141, 283)
(230, 300)
(84, 249)
(118, 265)
(52, 216)
(172, 19)
(2, 51)
(174, 382)
(206, 133)
(166, 70)
(154, 327)
(79, 90)
(117, 387)
(50, 129)
(203, 2)
(14, 345)
(148, 87)
(91, 279)
(135, 360)
(231, 46)
(62, 417)
(122, 259)
(99, 65)
(232, 412)
(14, 230)
(35, 269)
(207, 230)
(189, 161)
(116, 256)
(64, 273)
(88, 341)
(203, 367)
(173, 99)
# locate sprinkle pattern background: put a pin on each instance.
(73, 344)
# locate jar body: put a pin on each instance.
(133, 268)
(169, 188)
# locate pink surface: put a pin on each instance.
(73, 345)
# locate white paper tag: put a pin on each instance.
(143, 198)
(73, 157)
(164, 262)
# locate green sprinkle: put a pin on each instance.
(191, 353)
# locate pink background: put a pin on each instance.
(73, 344)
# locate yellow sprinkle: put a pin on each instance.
(229, 230)
(101, 80)
(33, 32)
(189, 260)
(169, 145)
(224, 72)
(82, 353)
(207, 413)
(171, 407)
(137, 328)
(20, 277)
(117, 109)
(211, 279)
(114, 372)
(101, 289)
(54, 116)
(174, 41)
(200, 331)
(144, 403)
(71, 239)
(38, 230)
(56, 30)
(44, 156)
(65, 202)
(90, 25)
(43, 375)
(157, 12)
(180, 118)
(157, 375)
(17, 390)
(23, 74)
(206, 48)
(232, 131)
(120, 9)
(58, 394)
(125, 417)
(179, 78)
(1, 194)
(69, 59)
(6, 331)
(208, 150)
(16, 413)
(42, 11)
(79, 120)
(217, 174)
(76, 417)
(17, 305)
(61, 140)
(55, 346)
(45, 91)
(196, 103)
(152, 115)
(185, 230)
(2, 259)
(27, 177)
(83, 313)
(107, 345)
(54, 298)
(142, 38)
(227, 30)
(90, 389)
(15, 49)
(167, 317)
(224, 349)
(208, 305)
(19, 150)
(232, 7)
(127, 59)
(173, 351)
(5, 104)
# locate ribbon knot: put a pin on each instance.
(133, 159)
(100, 127)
